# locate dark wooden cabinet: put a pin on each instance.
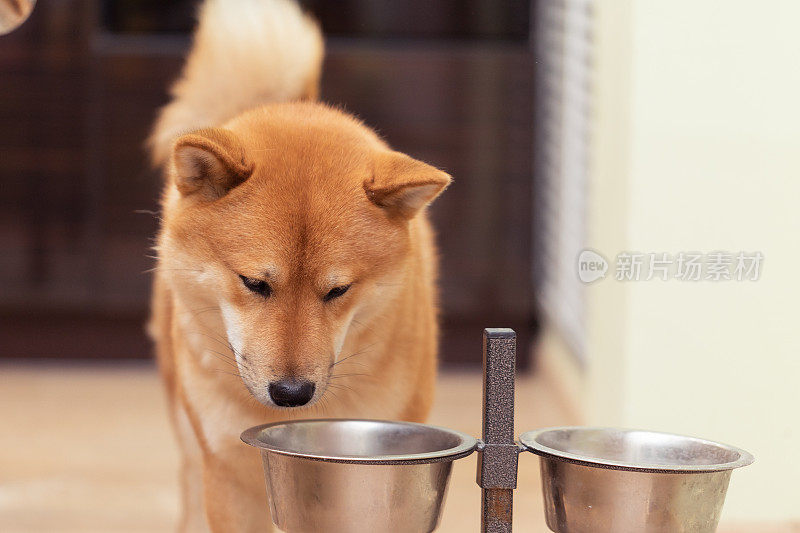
(79, 86)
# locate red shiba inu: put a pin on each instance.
(296, 265)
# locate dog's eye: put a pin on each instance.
(258, 286)
(336, 292)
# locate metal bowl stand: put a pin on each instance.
(497, 451)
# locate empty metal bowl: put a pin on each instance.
(357, 475)
(598, 480)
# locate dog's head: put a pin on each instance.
(295, 221)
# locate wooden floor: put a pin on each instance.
(88, 449)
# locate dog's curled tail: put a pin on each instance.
(245, 53)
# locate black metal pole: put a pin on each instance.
(497, 456)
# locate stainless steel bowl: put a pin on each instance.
(599, 480)
(357, 475)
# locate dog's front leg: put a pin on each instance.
(193, 516)
(235, 497)
(221, 473)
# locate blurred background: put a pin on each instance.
(612, 125)
(448, 82)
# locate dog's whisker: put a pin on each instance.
(251, 400)
(241, 355)
(362, 325)
(232, 360)
(336, 376)
(162, 269)
(216, 338)
(237, 359)
(359, 363)
(341, 387)
(359, 352)
(325, 404)
(197, 312)
(221, 357)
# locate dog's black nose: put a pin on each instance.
(291, 392)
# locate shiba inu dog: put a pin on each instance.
(296, 265)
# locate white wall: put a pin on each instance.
(697, 148)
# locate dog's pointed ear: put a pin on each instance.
(209, 163)
(402, 185)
